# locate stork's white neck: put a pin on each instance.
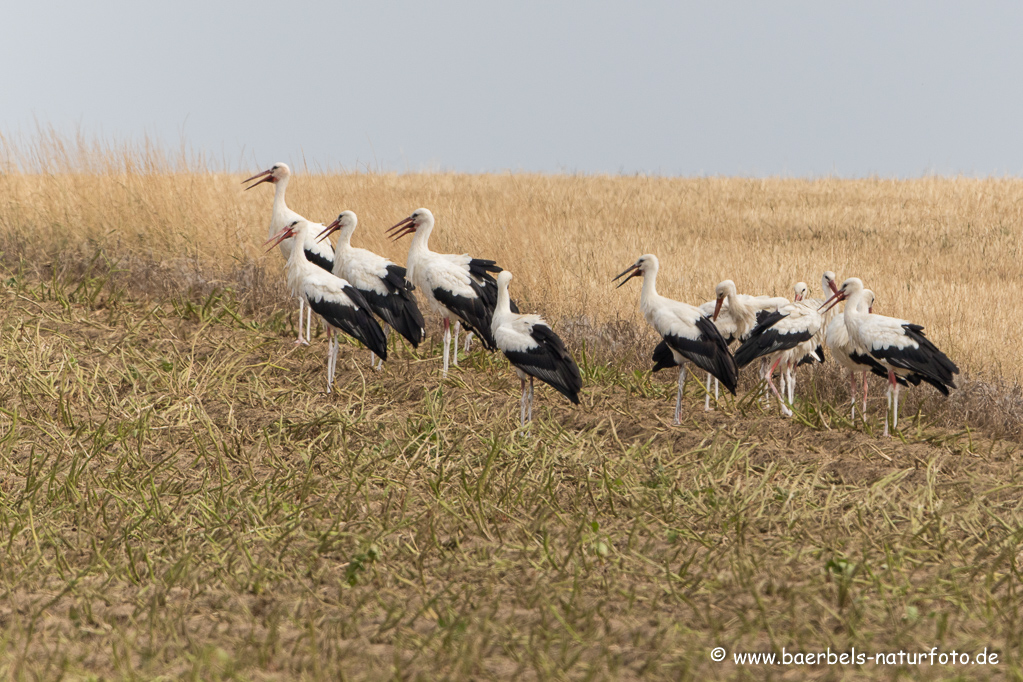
(855, 313)
(281, 212)
(345, 236)
(298, 265)
(737, 306)
(855, 304)
(503, 306)
(421, 237)
(649, 295)
(743, 313)
(417, 250)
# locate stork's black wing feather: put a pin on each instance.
(550, 362)
(398, 308)
(878, 369)
(356, 321)
(481, 268)
(709, 352)
(474, 311)
(817, 356)
(322, 261)
(483, 271)
(933, 366)
(663, 357)
(765, 339)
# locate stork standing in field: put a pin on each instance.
(340, 304)
(381, 282)
(849, 356)
(829, 287)
(455, 286)
(784, 337)
(534, 349)
(734, 315)
(810, 351)
(316, 252)
(897, 345)
(686, 331)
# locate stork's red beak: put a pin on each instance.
(284, 233)
(832, 302)
(717, 308)
(330, 229)
(631, 271)
(833, 286)
(406, 226)
(265, 176)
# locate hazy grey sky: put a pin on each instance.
(678, 88)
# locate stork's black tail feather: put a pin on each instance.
(764, 340)
(709, 352)
(663, 357)
(399, 308)
(357, 321)
(549, 362)
(933, 366)
(817, 356)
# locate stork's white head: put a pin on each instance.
(274, 174)
(723, 289)
(849, 288)
(828, 282)
(503, 278)
(421, 218)
(645, 265)
(346, 222)
(721, 292)
(296, 227)
(868, 299)
(800, 291)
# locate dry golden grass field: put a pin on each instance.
(180, 499)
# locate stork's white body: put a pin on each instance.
(782, 338)
(450, 274)
(897, 345)
(842, 349)
(370, 273)
(320, 289)
(687, 332)
(281, 217)
(805, 316)
(533, 349)
(735, 319)
(801, 316)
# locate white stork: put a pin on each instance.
(686, 331)
(829, 287)
(846, 353)
(455, 286)
(381, 282)
(340, 304)
(534, 349)
(282, 216)
(897, 345)
(734, 315)
(783, 337)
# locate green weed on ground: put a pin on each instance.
(180, 499)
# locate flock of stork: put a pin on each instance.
(349, 288)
